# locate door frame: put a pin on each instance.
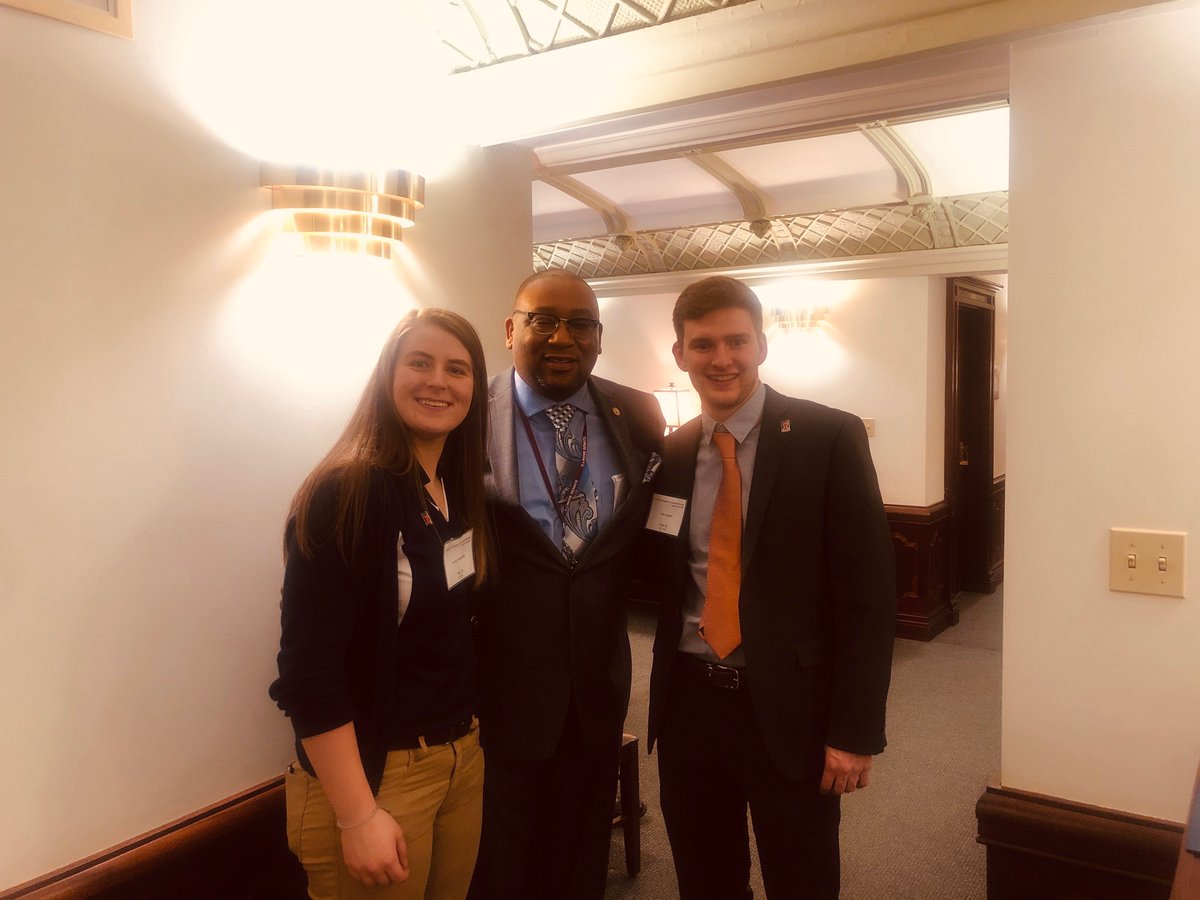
(975, 293)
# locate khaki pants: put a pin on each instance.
(436, 796)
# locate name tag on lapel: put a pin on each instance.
(458, 557)
(666, 514)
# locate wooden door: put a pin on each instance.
(970, 346)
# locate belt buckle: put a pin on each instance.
(717, 676)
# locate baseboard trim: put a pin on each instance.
(1047, 847)
(926, 627)
(235, 848)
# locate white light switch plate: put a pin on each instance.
(870, 423)
(1147, 562)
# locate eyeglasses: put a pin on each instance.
(547, 325)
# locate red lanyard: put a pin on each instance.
(559, 503)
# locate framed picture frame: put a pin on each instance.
(110, 16)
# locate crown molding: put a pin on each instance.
(838, 103)
(989, 260)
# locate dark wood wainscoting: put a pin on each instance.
(235, 850)
(920, 539)
(996, 544)
(1051, 849)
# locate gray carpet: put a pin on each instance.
(911, 835)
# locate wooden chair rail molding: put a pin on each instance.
(235, 849)
(1049, 848)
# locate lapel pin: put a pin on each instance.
(616, 411)
(785, 426)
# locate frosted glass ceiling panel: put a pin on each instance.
(964, 154)
(812, 174)
(665, 194)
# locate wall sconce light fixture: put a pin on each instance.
(790, 321)
(363, 212)
(668, 399)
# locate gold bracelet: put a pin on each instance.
(369, 817)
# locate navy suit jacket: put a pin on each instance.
(547, 633)
(817, 601)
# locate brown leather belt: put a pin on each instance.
(433, 738)
(727, 677)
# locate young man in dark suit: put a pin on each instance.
(774, 644)
(570, 460)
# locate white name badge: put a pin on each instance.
(666, 514)
(459, 559)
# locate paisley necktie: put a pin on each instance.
(578, 501)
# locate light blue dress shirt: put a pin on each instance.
(602, 466)
(745, 425)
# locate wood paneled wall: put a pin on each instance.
(996, 544)
(234, 850)
(1053, 849)
(920, 539)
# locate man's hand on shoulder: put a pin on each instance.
(845, 772)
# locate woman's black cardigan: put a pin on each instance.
(337, 656)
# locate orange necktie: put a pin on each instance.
(719, 624)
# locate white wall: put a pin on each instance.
(472, 248)
(1101, 690)
(169, 377)
(880, 355)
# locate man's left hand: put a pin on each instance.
(844, 772)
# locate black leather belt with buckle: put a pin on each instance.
(727, 677)
(433, 738)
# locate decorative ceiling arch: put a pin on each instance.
(479, 33)
(753, 208)
(614, 218)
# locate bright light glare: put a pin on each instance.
(314, 323)
(805, 293)
(678, 403)
(803, 362)
(351, 84)
(689, 404)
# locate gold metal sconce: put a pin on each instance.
(362, 212)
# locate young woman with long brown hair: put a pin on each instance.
(384, 541)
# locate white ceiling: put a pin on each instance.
(957, 153)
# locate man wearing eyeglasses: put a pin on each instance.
(570, 459)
